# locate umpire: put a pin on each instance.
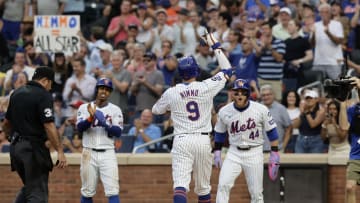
(29, 123)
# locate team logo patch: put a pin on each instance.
(240, 83)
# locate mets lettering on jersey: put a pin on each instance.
(245, 127)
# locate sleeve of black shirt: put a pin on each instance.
(46, 110)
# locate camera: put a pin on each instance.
(338, 88)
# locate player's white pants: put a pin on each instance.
(94, 164)
(192, 153)
(252, 162)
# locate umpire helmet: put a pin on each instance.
(188, 68)
(242, 84)
(104, 82)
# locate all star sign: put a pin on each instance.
(58, 33)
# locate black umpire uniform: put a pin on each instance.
(29, 108)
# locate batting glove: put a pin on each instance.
(274, 164)
(211, 40)
(101, 118)
(217, 158)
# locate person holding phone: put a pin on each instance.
(331, 132)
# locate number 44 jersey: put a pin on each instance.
(191, 104)
(245, 127)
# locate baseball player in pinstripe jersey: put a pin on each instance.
(190, 104)
(244, 121)
(99, 121)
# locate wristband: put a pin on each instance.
(216, 45)
(274, 148)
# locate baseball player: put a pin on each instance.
(190, 104)
(99, 121)
(244, 121)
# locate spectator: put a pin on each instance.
(105, 53)
(62, 72)
(309, 124)
(223, 27)
(59, 109)
(349, 7)
(167, 63)
(185, 34)
(117, 30)
(274, 12)
(331, 132)
(298, 52)
(80, 86)
(338, 15)
(14, 11)
(19, 66)
(349, 121)
(76, 7)
(246, 63)
(4, 143)
(49, 7)
(280, 30)
(121, 79)
(162, 31)
(96, 39)
(74, 145)
(132, 33)
(195, 20)
(136, 63)
(147, 21)
(68, 125)
(308, 19)
(271, 64)
(145, 131)
(34, 59)
(327, 36)
(84, 53)
(212, 16)
(148, 85)
(280, 116)
(204, 57)
(291, 101)
(233, 45)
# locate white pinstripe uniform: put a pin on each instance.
(245, 128)
(103, 164)
(190, 106)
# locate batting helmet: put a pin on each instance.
(104, 82)
(188, 68)
(242, 84)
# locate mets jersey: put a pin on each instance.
(191, 104)
(245, 127)
(96, 137)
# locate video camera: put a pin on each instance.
(338, 88)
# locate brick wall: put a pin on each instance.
(144, 184)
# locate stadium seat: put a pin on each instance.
(312, 76)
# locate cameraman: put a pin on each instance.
(350, 121)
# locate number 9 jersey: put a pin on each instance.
(191, 104)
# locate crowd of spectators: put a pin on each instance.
(276, 44)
